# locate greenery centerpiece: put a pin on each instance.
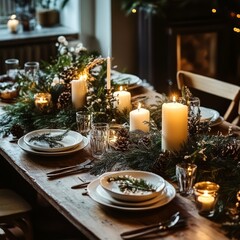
(55, 80)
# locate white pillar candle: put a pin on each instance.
(13, 24)
(108, 73)
(174, 125)
(139, 119)
(79, 91)
(123, 100)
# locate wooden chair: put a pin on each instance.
(215, 87)
(14, 216)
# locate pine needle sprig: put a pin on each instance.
(128, 183)
(51, 140)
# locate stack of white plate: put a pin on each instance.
(71, 142)
(123, 79)
(107, 193)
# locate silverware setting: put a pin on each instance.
(173, 222)
(66, 171)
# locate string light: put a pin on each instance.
(236, 29)
(134, 10)
(214, 10)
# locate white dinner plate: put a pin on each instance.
(209, 114)
(71, 140)
(25, 147)
(104, 194)
(125, 79)
(112, 187)
(169, 192)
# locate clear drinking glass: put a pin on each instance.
(206, 195)
(12, 67)
(31, 70)
(99, 139)
(186, 174)
(83, 119)
(193, 106)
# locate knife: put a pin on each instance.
(66, 170)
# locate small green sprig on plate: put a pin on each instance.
(131, 184)
(52, 141)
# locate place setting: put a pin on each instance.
(125, 79)
(52, 142)
(131, 190)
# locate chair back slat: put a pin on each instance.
(212, 86)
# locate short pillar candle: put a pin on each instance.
(123, 100)
(139, 119)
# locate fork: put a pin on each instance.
(70, 170)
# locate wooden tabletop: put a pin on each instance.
(93, 220)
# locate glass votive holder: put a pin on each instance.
(186, 174)
(12, 67)
(206, 196)
(114, 129)
(42, 101)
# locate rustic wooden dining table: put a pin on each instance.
(96, 221)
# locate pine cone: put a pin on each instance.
(69, 73)
(123, 132)
(17, 130)
(144, 140)
(122, 144)
(64, 100)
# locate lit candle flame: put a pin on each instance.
(139, 106)
(13, 17)
(174, 98)
(83, 76)
(121, 88)
(205, 193)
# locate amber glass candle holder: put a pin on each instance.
(42, 101)
(206, 196)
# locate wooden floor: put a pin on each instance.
(48, 223)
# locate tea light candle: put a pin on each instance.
(79, 91)
(174, 125)
(13, 24)
(206, 194)
(42, 100)
(123, 100)
(207, 201)
(139, 119)
(108, 73)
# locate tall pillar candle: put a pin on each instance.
(79, 92)
(139, 119)
(108, 73)
(123, 100)
(174, 125)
